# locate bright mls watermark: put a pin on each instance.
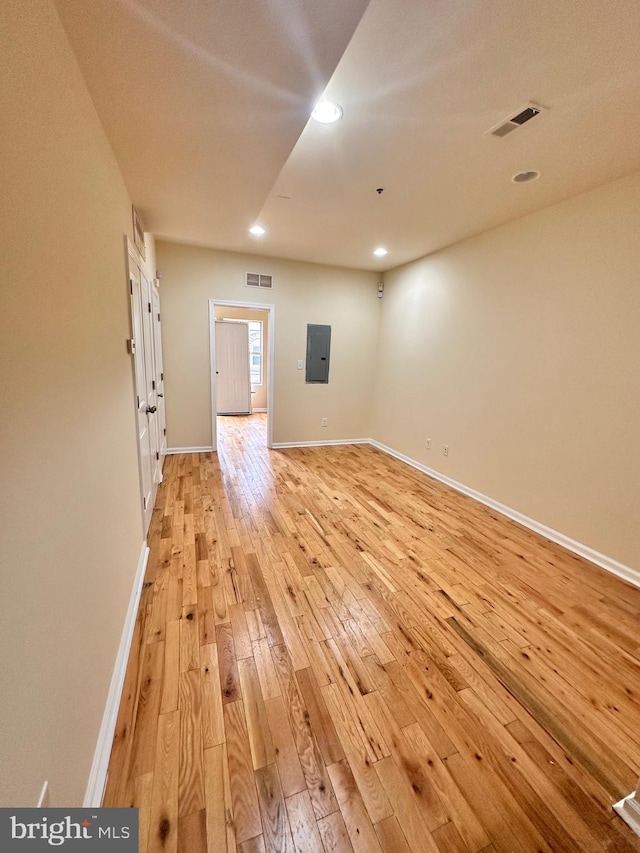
(80, 830)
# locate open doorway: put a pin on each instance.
(258, 320)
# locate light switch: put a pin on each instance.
(300, 364)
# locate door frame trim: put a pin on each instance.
(255, 306)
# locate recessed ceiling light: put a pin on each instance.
(525, 177)
(327, 112)
(257, 231)
(380, 252)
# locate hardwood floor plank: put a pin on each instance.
(333, 832)
(158, 618)
(359, 762)
(217, 816)
(192, 833)
(163, 810)
(404, 806)
(171, 668)
(456, 806)
(418, 773)
(311, 761)
(191, 784)
(262, 751)
(227, 664)
(354, 812)
(276, 831)
(244, 798)
(147, 711)
(206, 620)
(119, 763)
(269, 683)
(302, 820)
(212, 714)
(142, 793)
(291, 776)
(241, 637)
(448, 840)
(189, 639)
(486, 807)
(319, 717)
(391, 837)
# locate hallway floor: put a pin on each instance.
(334, 652)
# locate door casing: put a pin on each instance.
(260, 306)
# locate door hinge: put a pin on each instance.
(131, 286)
(164, 430)
(158, 316)
(162, 377)
(157, 455)
(131, 346)
(144, 503)
(153, 384)
(149, 304)
(138, 401)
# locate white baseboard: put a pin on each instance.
(172, 450)
(98, 774)
(254, 409)
(629, 811)
(611, 565)
(332, 441)
(44, 800)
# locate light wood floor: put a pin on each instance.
(335, 653)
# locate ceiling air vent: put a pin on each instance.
(255, 279)
(508, 125)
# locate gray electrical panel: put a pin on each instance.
(318, 348)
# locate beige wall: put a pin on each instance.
(71, 528)
(259, 393)
(520, 349)
(302, 293)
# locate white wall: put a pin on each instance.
(520, 349)
(70, 517)
(302, 293)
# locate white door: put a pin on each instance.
(150, 391)
(159, 376)
(146, 398)
(144, 439)
(233, 386)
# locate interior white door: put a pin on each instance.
(150, 391)
(159, 376)
(233, 386)
(145, 449)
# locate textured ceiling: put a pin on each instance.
(206, 106)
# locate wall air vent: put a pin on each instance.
(255, 279)
(508, 125)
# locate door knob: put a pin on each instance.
(151, 410)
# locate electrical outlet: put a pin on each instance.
(427, 443)
(300, 364)
(445, 450)
(324, 422)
